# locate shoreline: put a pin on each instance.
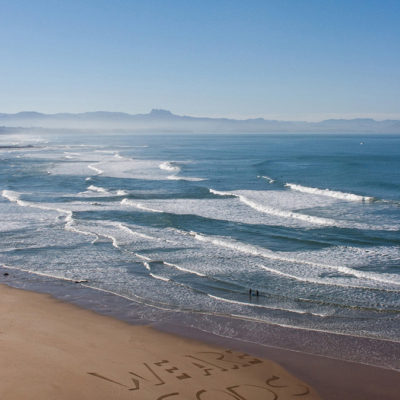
(52, 349)
(331, 378)
(361, 350)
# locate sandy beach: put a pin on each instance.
(54, 350)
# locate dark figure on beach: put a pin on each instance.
(251, 293)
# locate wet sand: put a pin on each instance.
(54, 350)
(333, 379)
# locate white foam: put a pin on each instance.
(134, 233)
(117, 233)
(98, 189)
(142, 257)
(130, 168)
(118, 241)
(140, 206)
(265, 253)
(247, 248)
(103, 191)
(242, 303)
(184, 178)
(69, 221)
(113, 239)
(161, 278)
(325, 282)
(287, 214)
(147, 262)
(329, 193)
(172, 166)
(169, 166)
(95, 169)
(230, 209)
(260, 200)
(267, 178)
(11, 196)
(111, 164)
(184, 269)
(277, 212)
(43, 274)
(147, 265)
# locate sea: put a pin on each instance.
(289, 240)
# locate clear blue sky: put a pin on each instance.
(298, 59)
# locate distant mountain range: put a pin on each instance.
(165, 121)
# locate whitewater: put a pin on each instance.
(184, 227)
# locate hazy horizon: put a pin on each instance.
(159, 120)
(279, 118)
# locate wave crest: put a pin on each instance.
(169, 166)
(276, 212)
(329, 193)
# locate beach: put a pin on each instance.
(161, 242)
(50, 349)
(200, 200)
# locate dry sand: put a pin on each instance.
(53, 350)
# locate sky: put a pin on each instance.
(277, 59)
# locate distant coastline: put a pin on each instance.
(164, 121)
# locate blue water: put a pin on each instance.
(191, 223)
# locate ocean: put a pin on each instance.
(190, 228)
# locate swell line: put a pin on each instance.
(323, 282)
(14, 197)
(275, 211)
(329, 193)
(265, 306)
(302, 217)
(261, 252)
(43, 274)
(95, 169)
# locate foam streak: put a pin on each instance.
(329, 193)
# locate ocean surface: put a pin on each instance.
(188, 224)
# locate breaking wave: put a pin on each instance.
(242, 303)
(184, 178)
(265, 253)
(169, 166)
(139, 206)
(172, 166)
(276, 212)
(97, 189)
(68, 219)
(267, 178)
(303, 217)
(95, 169)
(329, 193)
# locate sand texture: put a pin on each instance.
(54, 350)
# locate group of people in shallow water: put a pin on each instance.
(253, 293)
